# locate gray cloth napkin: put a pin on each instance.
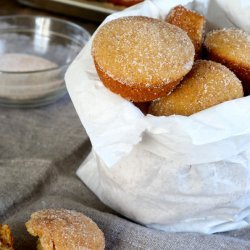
(40, 150)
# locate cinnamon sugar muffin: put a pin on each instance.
(231, 47)
(63, 229)
(208, 83)
(191, 22)
(141, 58)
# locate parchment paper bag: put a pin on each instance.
(172, 173)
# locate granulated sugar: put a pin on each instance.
(19, 81)
(13, 62)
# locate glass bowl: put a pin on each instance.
(35, 53)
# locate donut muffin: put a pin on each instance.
(141, 58)
(63, 229)
(191, 22)
(231, 47)
(208, 83)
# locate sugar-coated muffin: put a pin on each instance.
(141, 58)
(63, 229)
(231, 47)
(191, 22)
(208, 83)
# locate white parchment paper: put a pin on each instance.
(173, 173)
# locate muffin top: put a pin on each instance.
(207, 84)
(231, 44)
(143, 51)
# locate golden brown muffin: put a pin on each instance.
(191, 22)
(6, 239)
(141, 58)
(231, 47)
(208, 83)
(63, 229)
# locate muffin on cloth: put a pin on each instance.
(63, 229)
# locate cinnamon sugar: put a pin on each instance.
(16, 62)
(25, 77)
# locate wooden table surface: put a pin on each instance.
(12, 7)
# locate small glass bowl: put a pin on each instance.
(56, 41)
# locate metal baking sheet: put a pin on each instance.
(86, 9)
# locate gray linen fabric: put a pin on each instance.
(40, 150)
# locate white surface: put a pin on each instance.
(175, 173)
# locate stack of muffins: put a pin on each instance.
(169, 67)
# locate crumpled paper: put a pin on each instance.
(176, 173)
